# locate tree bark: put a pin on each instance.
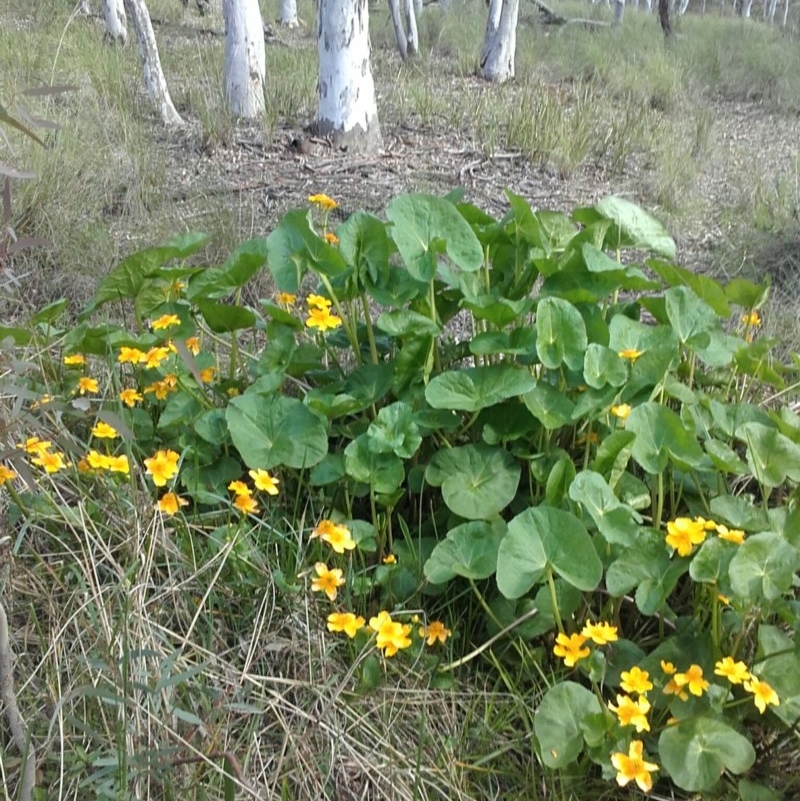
(619, 11)
(116, 24)
(682, 7)
(500, 41)
(663, 16)
(785, 12)
(399, 28)
(346, 108)
(154, 78)
(412, 37)
(288, 14)
(245, 58)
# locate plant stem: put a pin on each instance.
(373, 350)
(554, 599)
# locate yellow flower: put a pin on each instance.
(193, 345)
(668, 668)
(36, 445)
(103, 430)
(119, 464)
(264, 481)
(392, 636)
(207, 374)
(285, 299)
(733, 535)
(97, 461)
(435, 630)
(246, 504)
(673, 688)
(131, 355)
(632, 713)
(318, 302)
(734, 672)
(751, 319)
(165, 321)
(323, 201)
(331, 238)
(239, 488)
(622, 411)
(600, 633)
(130, 397)
(169, 503)
(706, 525)
(162, 466)
(389, 559)
(693, 679)
(43, 401)
(636, 681)
(630, 353)
(327, 581)
(322, 319)
(74, 359)
(683, 534)
(633, 767)
(570, 648)
(161, 388)
(6, 474)
(763, 694)
(346, 622)
(50, 461)
(155, 356)
(86, 384)
(338, 537)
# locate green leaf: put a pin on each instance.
(560, 334)
(710, 563)
(468, 550)
(540, 537)
(550, 407)
(181, 409)
(698, 750)
(763, 567)
(474, 388)
(224, 318)
(559, 722)
(724, 457)
(739, 512)
(661, 436)
(753, 791)
(477, 481)
(771, 456)
(603, 366)
(364, 244)
(517, 342)
(406, 323)
(382, 471)
(238, 269)
(425, 226)
(779, 666)
(637, 227)
(618, 523)
(273, 430)
(212, 427)
(394, 431)
(705, 288)
(745, 293)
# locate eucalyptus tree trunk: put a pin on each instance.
(399, 28)
(116, 24)
(346, 108)
(288, 14)
(500, 41)
(773, 6)
(682, 7)
(154, 78)
(619, 11)
(245, 58)
(412, 37)
(85, 8)
(745, 7)
(663, 16)
(785, 12)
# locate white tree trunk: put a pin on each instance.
(288, 15)
(346, 109)
(412, 37)
(619, 11)
(116, 24)
(418, 6)
(773, 5)
(85, 8)
(500, 42)
(399, 28)
(746, 5)
(245, 58)
(785, 12)
(682, 7)
(151, 64)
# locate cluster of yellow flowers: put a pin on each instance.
(243, 495)
(685, 533)
(391, 636)
(571, 648)
(319, 314)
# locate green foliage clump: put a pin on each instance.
(478, 435)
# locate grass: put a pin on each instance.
(166, 679)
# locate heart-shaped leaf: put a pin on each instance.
(468, 550)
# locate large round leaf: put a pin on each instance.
(425, 226)
(477, 481)
(560, 334)
(474, 388)
(771, 456)
(469, 550)
(697, 751)
(763, 567)
(542, 537)
(274, 430)
(661, 435)
(560, 721)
